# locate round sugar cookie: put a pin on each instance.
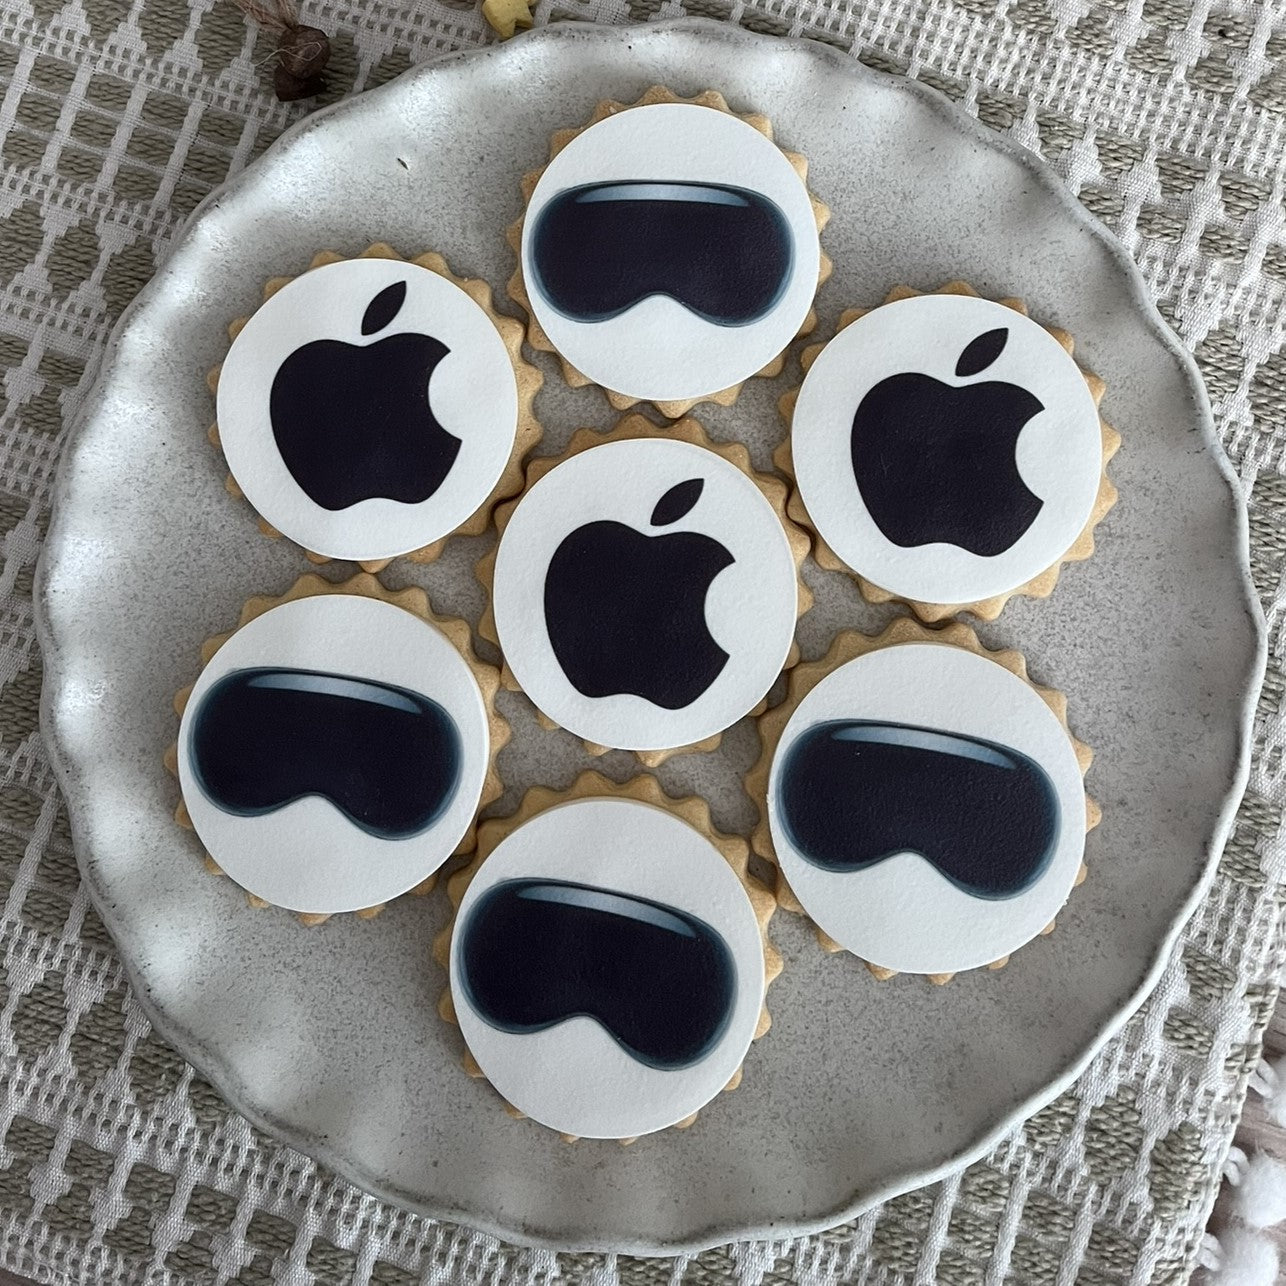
(924, 803)
(608, 965)
(373, 406)
(949, 450)
(669, 251)
(645, 590)
(335, 749)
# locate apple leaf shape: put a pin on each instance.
(384, 307)
(981, 352)
(677, 501)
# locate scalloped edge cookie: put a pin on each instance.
(414, 600)
(1039, 586)
(845, 647)
(536, 336)
(631, 428)
(529, 380)
(647, 790)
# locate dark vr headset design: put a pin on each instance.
(535, 953)
(389, 759)
(852, 793)
(724, 253)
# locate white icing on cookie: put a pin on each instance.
(645, 594)
(368, 408)
(926, 746)
(952, 487)
(619, 910)
(698, 189)
(328, 666)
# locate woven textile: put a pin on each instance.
(118, 1163)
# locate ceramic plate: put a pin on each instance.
(330, 1037)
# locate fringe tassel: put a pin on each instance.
(1243, 1255)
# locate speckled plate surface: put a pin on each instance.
(329, 1036)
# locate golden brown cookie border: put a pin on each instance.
(847, 646)
(528, 378)
(632, 428)
(536, 335)
(644, 789)
(1039, 586)
(413, 600)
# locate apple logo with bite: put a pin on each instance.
(625, 609)
(936, 462)
(353, 422)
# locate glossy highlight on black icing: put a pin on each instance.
(388, 758)
(724, 253)
(851, 793)
(661, 982)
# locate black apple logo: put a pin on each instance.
(625, 610)
(352, 421)
(935, 462)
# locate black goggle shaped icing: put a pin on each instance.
(852, 793)
(389, 759)
(724, 253)
(661, 982)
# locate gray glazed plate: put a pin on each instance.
(329, 1037)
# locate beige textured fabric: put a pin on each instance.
(118, 1164)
